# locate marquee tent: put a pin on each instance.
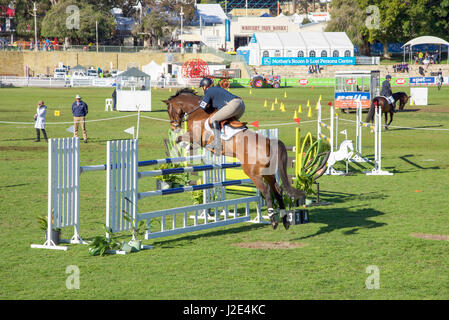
(298, 44)
(153, 70)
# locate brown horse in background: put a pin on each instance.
(386, 107)
(260, 157)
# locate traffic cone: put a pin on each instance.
(265, 104)
(276, 101)
(412, 103)
(320, 97)
(272, 106)
(295, 116)
(285, 94)
(309, 115)
(299, 109)
(308, 104)
(283, 108)
(250, 91)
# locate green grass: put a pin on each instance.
(369, 222)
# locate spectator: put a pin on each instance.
(114, 99)
(79, 110)
(39, 119)
(420, 56)
(421, 71)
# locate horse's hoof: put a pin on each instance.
(286, 222)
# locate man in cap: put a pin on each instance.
(228, 106)
(386, 92)
(79, 110)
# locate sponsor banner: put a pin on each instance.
(423, 81)
(400, 81)
(349, 99)
(303, 82)
(304, 61)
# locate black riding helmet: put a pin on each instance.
(206, 82)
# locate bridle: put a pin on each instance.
(178, 123)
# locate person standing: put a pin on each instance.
(39, 119)
(79, 110)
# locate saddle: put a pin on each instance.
(232, 122)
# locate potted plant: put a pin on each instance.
(137, 229)
(101, 245)
(171, 180)
(55, 234)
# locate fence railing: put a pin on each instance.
(362, 60)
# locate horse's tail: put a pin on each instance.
(372, 110)
(282, 171)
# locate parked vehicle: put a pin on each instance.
(260, 81)
(92, 73)
(60, 73)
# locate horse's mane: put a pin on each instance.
(183, 91)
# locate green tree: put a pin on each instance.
(24, 16)
(348, 16)
(55, 23)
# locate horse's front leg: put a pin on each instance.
(391, 119)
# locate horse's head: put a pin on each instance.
(180, 104)
(403, 100)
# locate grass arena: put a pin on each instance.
(397, 225)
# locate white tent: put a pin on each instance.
(153, 69)
(269, 44)
(340, 45)
(425, 40)
(317, 44)
(293, 44)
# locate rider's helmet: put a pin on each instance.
(206, 82)
(388, 77)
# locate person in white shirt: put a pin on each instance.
(39, 119)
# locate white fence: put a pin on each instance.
(78, 82)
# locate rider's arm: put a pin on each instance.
(206, 100)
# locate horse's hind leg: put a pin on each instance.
(271, 180)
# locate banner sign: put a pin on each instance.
(228, 30)
(304, 61)
(426, 81)
(349, 99)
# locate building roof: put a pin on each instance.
(211, 13)
(133, 72)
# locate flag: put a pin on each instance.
(130, 130)
(298, 121)
(70, 129)
(255, 124)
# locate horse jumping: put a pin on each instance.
(386, 107)
(260, 157)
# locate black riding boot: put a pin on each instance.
(38, 136)
(216, 144)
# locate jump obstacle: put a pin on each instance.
(122, 193)
(377, 129)
(332, 139)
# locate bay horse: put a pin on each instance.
(386, 107)
(259, 156)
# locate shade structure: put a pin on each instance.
(133, 91)
(424, 40)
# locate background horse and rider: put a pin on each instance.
(386, 107)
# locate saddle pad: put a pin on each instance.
(229, 132)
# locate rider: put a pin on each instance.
(386, 92)
(228, 106)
